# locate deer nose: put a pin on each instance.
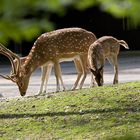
(23, 93)
(99, 84)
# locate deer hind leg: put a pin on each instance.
(83, 61)
(79, 72)
(58, 75)
(114, 61)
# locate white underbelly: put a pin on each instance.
(69, 59)
(51, 63)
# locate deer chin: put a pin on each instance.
(99, 84)
(22, 93)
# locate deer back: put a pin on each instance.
(59, 44)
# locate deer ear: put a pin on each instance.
(93, 71)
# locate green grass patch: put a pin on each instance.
(100, 113)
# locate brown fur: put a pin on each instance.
(54, 47)
(106, 47)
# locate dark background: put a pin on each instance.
(92, 19)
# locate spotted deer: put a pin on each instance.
(46, 70)
(51, 48)
(106, 47)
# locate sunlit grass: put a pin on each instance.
(109, 112)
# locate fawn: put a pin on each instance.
(106, 47)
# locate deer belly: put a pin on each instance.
(70, 58)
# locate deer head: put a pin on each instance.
(17, 74)
(98, 75)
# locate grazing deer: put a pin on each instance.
(106, 47)
(52, 47)
(46, 70)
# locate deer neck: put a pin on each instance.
(32, 62)
(94, 63)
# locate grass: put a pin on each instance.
(100, 113)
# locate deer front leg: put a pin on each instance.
(58, 76)
(49, 68)
(93, 82)
(43, 76)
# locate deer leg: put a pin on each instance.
(48, 72)
(58, 76)
(79, 72)
(83, 61)
(114, 61)
(115, 70)
(93, 82)
(61, 80)
(43, 75)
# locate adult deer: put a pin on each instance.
(52, 47)
(106, 47)
(46, 70)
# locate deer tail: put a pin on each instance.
(123, 43)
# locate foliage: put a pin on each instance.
(123, 8)
(23, 20)
(105, 113)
